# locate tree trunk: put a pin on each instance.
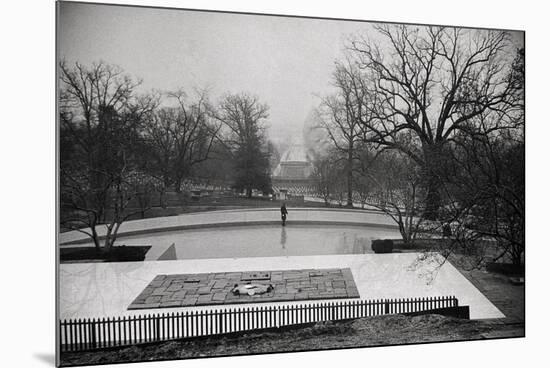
(177, 185)
(433, 199)
(433, 166)
(108, 243)
(249, 192)
(162, 198)
(95, 236)
(350, 189)
(97, 244)
(350, 175)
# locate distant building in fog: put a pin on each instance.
(293, 173)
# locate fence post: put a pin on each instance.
(171, 325)
(119, 332)
(94, 339)
(386, 306)
(240, 324)
(81, 343)
(186, 323)
(179, 325)
(157, 327)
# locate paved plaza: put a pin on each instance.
(92, 290)
(186, 290)
(218, 243)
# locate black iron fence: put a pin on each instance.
(87, 334)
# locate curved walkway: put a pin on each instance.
(225, 218)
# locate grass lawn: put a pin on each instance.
(373, 331)
(227, 203)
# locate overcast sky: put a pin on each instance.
(286, 62)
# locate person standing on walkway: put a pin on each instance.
(284, 212)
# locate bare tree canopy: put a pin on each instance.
(427, 125)
(100, 122)
(427, 83)
(178, 138)
(341, 115)
(243, 118)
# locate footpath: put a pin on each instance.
(243, 217)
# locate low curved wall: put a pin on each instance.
(248, 217)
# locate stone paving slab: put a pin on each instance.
(189, 290)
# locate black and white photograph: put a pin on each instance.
(233, 183)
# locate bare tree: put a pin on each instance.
(327, 175)
(364, 180)
(491, 191)
(485, 187)
(178, 138)
(342, 114)
(243, 118)
(431, 82)
(100, 119)
(399, 194)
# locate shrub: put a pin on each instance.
(382, 245)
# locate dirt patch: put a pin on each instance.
(373, 331)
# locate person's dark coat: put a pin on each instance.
(284, 212)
